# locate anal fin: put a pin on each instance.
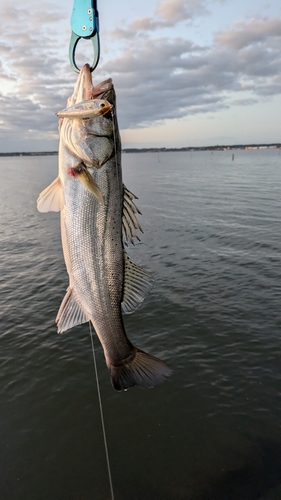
(70, 313)
(137, 285)
(51, 199)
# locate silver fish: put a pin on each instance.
(98, 215)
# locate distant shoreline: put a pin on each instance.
(203, 148)
(162, 150)
(31, 153)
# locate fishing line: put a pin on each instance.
(114, 142)
(101, 415)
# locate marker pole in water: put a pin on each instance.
(101, 414)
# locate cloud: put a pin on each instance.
(156, 77)
(31, 73)
(169, 13)
(178, 10)
(245, 102)
(249, 33)
(161, 78)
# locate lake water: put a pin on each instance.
(212, 431)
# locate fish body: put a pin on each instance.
(97, 215)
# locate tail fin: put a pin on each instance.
(143, 370)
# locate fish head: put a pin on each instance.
(88, 123)
(84, 89)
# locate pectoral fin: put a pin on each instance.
(70, 313)
(89, 183)
(51, 199)
(137, 285)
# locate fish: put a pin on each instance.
(98, 219)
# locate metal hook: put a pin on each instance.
(72, 48)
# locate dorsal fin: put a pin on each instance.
(137, 285)
(130, 223)
(51, 199)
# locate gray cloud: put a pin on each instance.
(248, 33)
(179, 10)
(156, 78)
(169, 13)
(245, 102)
(33, 85)
(160, 78)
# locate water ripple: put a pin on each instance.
(212, 243)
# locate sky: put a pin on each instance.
(186, 72)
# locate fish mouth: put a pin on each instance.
(84, 89)
(86, 75)
(85, 84)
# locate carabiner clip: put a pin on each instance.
(72, 47)
(84, 24)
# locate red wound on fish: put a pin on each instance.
(71, 172)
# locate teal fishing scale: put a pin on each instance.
(85, 24)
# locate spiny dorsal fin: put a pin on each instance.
(130, 223)
(70, 313)
(51, 199)
(137, 285)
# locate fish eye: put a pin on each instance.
(102, 105)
